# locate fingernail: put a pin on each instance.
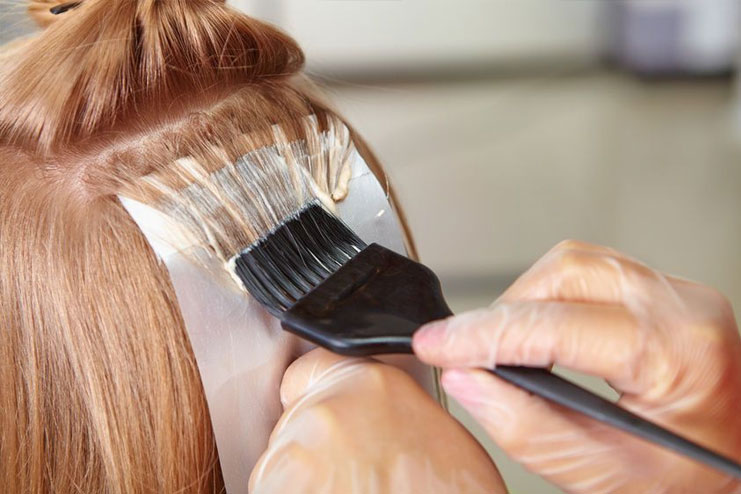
(465, 387)
(430, 336)
(471, 390)
(460, 384)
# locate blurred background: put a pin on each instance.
(508, 125)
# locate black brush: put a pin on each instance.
(329, 287)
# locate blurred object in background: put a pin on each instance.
(383, 39)
(737, 104)
(674, 37)
(14, 20)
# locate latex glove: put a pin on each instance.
(669, 346)
(359, 426)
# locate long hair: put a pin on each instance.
(99, 389)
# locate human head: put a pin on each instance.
(98, 384)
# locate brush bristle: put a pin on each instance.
(228, 205)
(288, 263)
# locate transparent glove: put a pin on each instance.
(359, 426)
(670, 347)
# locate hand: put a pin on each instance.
(669, 346)
(359, 426)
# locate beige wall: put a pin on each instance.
(364, 35)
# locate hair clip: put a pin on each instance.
(64, 7)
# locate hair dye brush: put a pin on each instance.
(327, 286)
(323, 282)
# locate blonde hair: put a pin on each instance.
(99, 389)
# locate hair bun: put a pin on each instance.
(110, 57)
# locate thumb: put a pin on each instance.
(311, 371)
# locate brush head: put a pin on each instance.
(288, 263)
(327, 286)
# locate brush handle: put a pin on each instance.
(547, 385)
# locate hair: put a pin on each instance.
(99, 388)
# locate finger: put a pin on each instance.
(310, 371)
(578, 272)
(566, 448)
(570, 275)
(571, 244)
(601, 340)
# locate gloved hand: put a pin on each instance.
(359, 426)
(669, 346)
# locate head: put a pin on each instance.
(98, 383)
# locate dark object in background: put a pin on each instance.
(62, 8)
(676, 37)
